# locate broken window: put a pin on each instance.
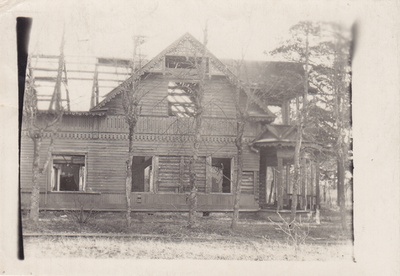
(181, 98)
(142, 177)
(277, 110)
(183, 62)
(68, 173)
(221, 175)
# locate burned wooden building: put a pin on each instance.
(90, 149)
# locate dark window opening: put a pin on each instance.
(181, 99)
(182, 62)
(68, 173)
(221, 175)
(142, 178)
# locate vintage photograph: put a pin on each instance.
(187, 130)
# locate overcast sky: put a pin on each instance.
(106, 28)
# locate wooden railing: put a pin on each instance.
(153, 125)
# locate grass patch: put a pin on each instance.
(166, 236)
(260, 250)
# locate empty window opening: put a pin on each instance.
(142, 177)
(277, 110)
(183, 62)
(221, 175)
(68, 173)
(181, 98)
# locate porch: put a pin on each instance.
(276, 146)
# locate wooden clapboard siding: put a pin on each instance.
(171, 125)
(218, 100)
(251, 159)
(140, 201)
(173, 174)
(103, 139)
(247, 182)
(27, 160)
(106, 159)
(168, 173)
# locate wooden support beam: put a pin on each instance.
(155, 173)
(208, 174)
(285, 109)
(66, 88)
(312, 177)
(317, 191)
(262, 179)
(287, 183)
(303, 182)
(280, 184)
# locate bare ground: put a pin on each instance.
(166, 236)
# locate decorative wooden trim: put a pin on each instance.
(196, 46)
(141, 137)
(255, 185)
(74, 113)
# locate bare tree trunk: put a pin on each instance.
(35, 195)
(342, 197)
(192, 171)
(238, 183)
(198, 99)
(296, 176)
(301, 117)
(128, 181)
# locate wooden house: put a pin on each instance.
(88, 164)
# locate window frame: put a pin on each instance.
(232, 174)
(53, 188)
(188, 62)
(151, 176)
(192, 103)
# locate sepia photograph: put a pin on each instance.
(186, 131)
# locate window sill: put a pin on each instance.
(75, 192)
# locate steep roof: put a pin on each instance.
(280, 135)
(232, 78)
(277, 80)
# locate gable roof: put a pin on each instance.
(271, 77)
(281, 135)
(231, 77)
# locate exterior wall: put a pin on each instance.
(140, 201)
(103, 140)
(218, 97)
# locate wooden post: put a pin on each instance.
(208, 174)
(312, 182)
(280, 184)
(285, 112)
(303, 182)
(262, 179)
(317, 183)
(287, 183)
(233, 174)
(155, 174)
